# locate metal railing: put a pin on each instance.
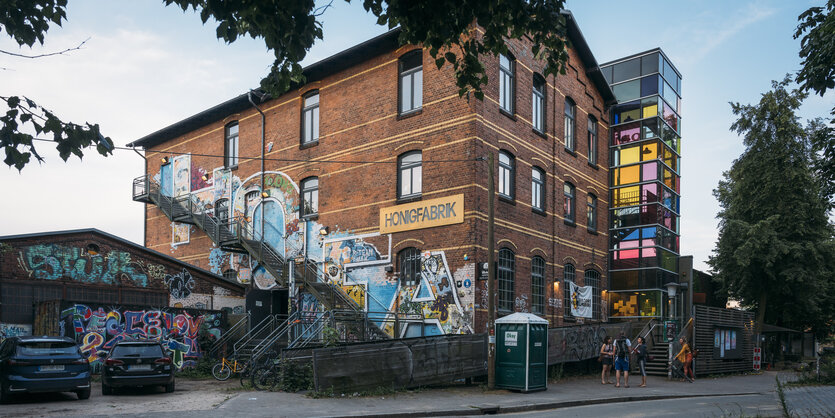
(253, 333)
(273, 337)
(229, 334)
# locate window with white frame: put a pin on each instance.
(411, 81)
(310, 118)
(507, 83)
(507, 174)
(570, 112)
(538, 105)
(409, 172)
(310, 197)
(538, 189)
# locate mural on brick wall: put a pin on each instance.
(56, 261)
(180, 285)
(98, 328)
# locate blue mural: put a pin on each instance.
(56, 261)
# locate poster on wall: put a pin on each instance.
(581, 301)
(180, 233)
(182, 175)
(725, 344)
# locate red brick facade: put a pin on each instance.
(361, 137)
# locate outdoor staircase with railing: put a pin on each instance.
(234, 234)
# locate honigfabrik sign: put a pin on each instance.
(424, 214)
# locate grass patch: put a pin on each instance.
(782, 397)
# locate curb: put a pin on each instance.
(498, 409)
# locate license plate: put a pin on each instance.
(139, 367)
(52, 368)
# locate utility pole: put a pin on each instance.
(491, 277)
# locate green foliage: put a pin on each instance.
(775, 251)
(330, 336)
(27, 21)
(294, 376)
(817, 48)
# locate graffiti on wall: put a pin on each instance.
(182, 177)
(14, 330)
(180, 285)
(578, 343)
(99, 328)
(56, 261)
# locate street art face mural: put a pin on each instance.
(56, 261)
(99, 328)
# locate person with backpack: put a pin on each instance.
(622, 345)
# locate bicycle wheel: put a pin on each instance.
(262, 379)
(221, 372)
(245, 374)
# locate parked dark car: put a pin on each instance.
(136, 363)
(42, 364)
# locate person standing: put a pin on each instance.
(622, 359)
(640, 351)
(685, 356)
(606, 352)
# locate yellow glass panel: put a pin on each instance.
(651, 110)
(649, 151)
(627, 196)
(629, 155)
(630, 174)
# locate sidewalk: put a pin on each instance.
(808, 401)
(468, 400)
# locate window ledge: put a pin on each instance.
(233, 168)
(507, 113)
(311, 217)
(410, 113)
(569, 223)
(310, 144)
(594, 166)
(408, 199)
(593, 231)
(507, 199)
(570, 151)
(539, 212)
(540, 133)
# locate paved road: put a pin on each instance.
(810, 401)
(760, 405)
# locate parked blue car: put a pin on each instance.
(42, 364)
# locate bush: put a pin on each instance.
(294, 376)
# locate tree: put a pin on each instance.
(817, 51)
(289, 28)
(775, 251)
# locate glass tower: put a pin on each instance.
(645, 147)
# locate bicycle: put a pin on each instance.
(266, 376)
(223, 370)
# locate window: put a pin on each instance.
(409, 167)
(507, 174)
(310, 118)
(310, 197)
(568, 202)
(506, 271)
(592, 278)
(591, 212)
(567, 276)
(409, 260)
(411, 81)
(570, 111)
(222, 210)
(538, 108)
(592, 140)
(538, 285)
(538, 189)
(230, 149)
(507, 83)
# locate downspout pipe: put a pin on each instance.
(263, 150)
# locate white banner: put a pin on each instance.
(581, 301)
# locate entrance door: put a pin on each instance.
(273, 224)
(165, 179)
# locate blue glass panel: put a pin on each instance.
(648, 233)
(649, 85)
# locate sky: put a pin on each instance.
(146, 66)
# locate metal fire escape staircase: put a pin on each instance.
(236, 235)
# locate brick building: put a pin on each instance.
(373, 191)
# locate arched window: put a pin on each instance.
(592, 140)
(538, 189)
(410, 87)
(506, 272)
(507, 175)
(222, 210)
(507, 83)
(569, 198)
(409, 175)
(538, 106)
(310, 118)
(230, 148)
(310, 197)
(538, 285)
(592, 278)
(567, 278)
(570, 112)
(591, 212)
(409, 263)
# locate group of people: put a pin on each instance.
(617, 354)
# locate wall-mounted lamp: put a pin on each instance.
(323, 231)
(205, 177)
(465, 257)
(265, 195)
(165, 160)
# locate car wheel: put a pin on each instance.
(83, 394)
(106, 390)
(169, 387)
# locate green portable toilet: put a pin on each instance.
(522, 352)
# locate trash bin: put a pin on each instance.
(522, 352)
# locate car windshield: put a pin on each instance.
(46, 348)
(137, 350)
